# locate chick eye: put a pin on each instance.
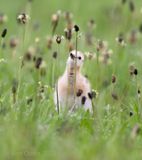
(79, 58)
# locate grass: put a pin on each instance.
(30, 128)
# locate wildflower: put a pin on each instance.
(135, 131)
(49, 43)
(113, 79)
(68, 16)
(71, 47)
(37, 39)
(29, 100)
(3, 18)
(14, 89)
(38, 62)
(68, 34)
(23, 18)
(114, 96)
(133, 36)
(58, 39)
(92, 94)
(14, 86)
(29, 55)
(54, 20)
(43, 68)
(131, 69)
(101, 45)
(139, 93)
(105, 56)
(90, 55)
(13, 42)
(120, 40)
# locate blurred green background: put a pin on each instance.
(32, 129)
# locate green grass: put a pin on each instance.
(35, 130)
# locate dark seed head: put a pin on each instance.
(38, 62)
(68, 34)
(131, 6)
(49, 43)
(114, 96)
(58, 39)
(139, 92)
(79, 92)
(83, 100)
(92, 94)
(28, 56)
(13, 42)
(135, 71)
(14, 86)
(4, 32)
(124, 1)
(140, 28)
(29, 100)
(76, 28)
(131, 113)
(113, 79)
(55, 54)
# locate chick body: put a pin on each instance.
(70, 83)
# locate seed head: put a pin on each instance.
(3, 18)
(38, 62)
(114, 96)
(131, 113)
(140, 28)
(131, 6)
(14, 86)
(13, 42)
(120, 40)
(23, 18)
(58, 39)
(92, 94)
(49, 43)
(139, 91)
(76, 28)
(29, 100)
(55, 54)
(4, 32)
(113, 79)
(124, 1)
(68, 34)
(135, 71)
(91, 23)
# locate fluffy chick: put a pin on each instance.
(72, 86)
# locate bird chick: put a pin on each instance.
(72, 87)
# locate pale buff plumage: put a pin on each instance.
(67, 88)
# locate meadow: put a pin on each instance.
(31, 61)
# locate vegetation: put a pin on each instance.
(31, 60)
